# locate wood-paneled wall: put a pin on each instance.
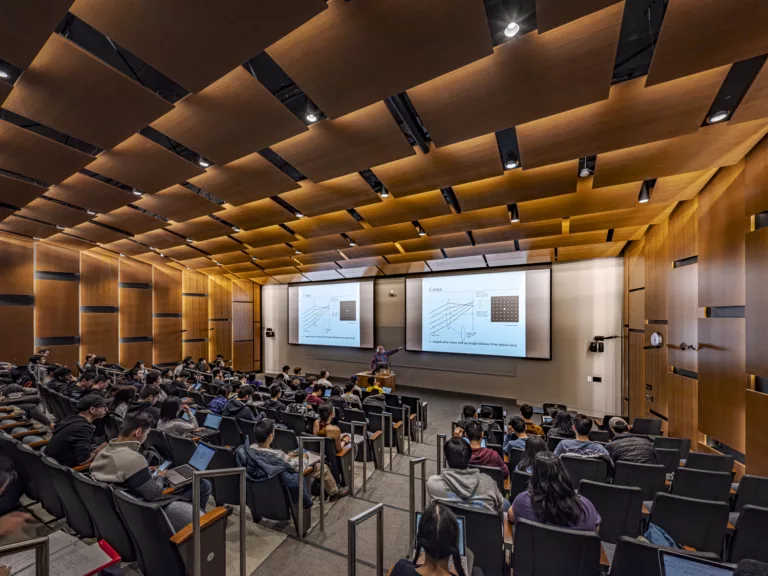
(700, 279)
(76, 303)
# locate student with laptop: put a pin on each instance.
(439, 543)
(120, 463)
(171, 420)
(678, 563)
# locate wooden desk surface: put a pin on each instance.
(604, 558)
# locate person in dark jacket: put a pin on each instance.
(261, 462)
(238, 407)
(62, 381)
(483, 456)
(376, 400)
(275, 392)
(338, 401)
(146, 403)
(629, 447)
(72, 441)
(27, 399)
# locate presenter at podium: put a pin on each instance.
(380, 360)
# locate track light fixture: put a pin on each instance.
(511, 161)
(421, 231)
(384, 193)
(136, 192)
(299, 214)
(190, 240)
(236, 229)
(584, 170)
(352, 244)
(645, 194)
(203, 162)
(297, 251)
(718, 116)
(122, 255)
(4, 74)
(91, 212)
(514, 215)
(311, 117)
(512, 29)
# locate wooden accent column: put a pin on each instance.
(17, 298)
(242, 324)
(99, 304)
(167, 315)
(220, 317)
(135, 312)
(194, 297)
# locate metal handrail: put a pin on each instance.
(384, 416)
(41, 546)
(377, 511)
(407, 413)
(300, 504)
(420, 418)
(196, 545)
(364, 426)
(440, 441)
(412, 493)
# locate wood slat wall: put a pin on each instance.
(220, 317)
(99, 305)
(194, 314)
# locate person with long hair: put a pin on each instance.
(170, 418)
(324, 426)
(123, 397)
(552, 499)
(437, 543)
(563, 427)
(533, 446)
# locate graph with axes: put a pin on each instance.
(451, 316)
(318, 317)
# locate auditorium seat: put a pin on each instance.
(647, 426)
(542, 550)
(498, 411)
(494, 473)
(181, 448)
(599, 436)
(519, 483)
(513, 459)
(270, 413)
(230, 432)
(157, 443)
(620, 508)
(46, 491)
(633, 557)
(553, 441)
(700, 524)
(650, 478)
(702, 484)
(669, 458)
(226, 489)
(751, 490)
(112, 422)
(8, 448)
(295, 422)
(269, 499)
(484, 536)
(710, 462)
(585, 468)
(748, 540)
(285, 440)
(74, 509)
(682, 444)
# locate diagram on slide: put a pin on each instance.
(476, 314)
(317, 317)
(329, 314)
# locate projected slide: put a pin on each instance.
(329, 314)
(474, 314)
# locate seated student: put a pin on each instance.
(324, 427)
(582, 445)
(297, 375)
(262, 462)
(217, 404)
(516, 428)
(62, 381)
(300, 406)
(468, 412)
(438, 538)
(324, 375)
(146, 403)
(316, 397)
(338, 401)
(563, 427)
(122, 399)
(376, 399)
(526, 410)
(218, 377)
(629, 447)
(311, 381)
(27, 399)
(275, 393)
(182, 365)
(140, 371)
(349, 395)
(202, 365)
(373, 386)
(551, 498)
(464, 485)
(483, 456)
(487, 421)
(134, 379)
(533, 446)
(83, 384)
(88, 364)
(72, 441)
(120, 463)
(171, 421)
(283, 378)
(295, 386)
(238, 407)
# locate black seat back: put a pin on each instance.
(700, 524)
(650, 478)
(493, 472)
(393, 400)
(710, 462)
(295, 422)
(682, 444)
(599, 436)
(495, 437)
(498, 410)
(100, 504)
(230, 432)
(74, 509)
(8, 448)
(151, 532)
(270, 413)
(46, 491)
(637, 558)
(181, 449)
(515, 455)
(268, 499)
(285, 440)
(752, 490)
(748, 539)
(226, 489)
(702, 484)
(542, 550)
(552, 442)
(620, 508)
(647, 426)
(484, 535)
(372, 409)
(669, 458)
(585, 468)
(248, 429)
(520, 481)
(112, 423)
(547, 407)
(156, 441)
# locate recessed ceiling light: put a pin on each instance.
(645, 194)
(152, 248)
(297, 251)
(512, 29)
(203, 162)
(35, 238)
(91, 212)
(514, 214)
(718, 116)
(584, 170)
(4, 74)
(385, 193)
(162, 255)
(236, 229)
(136, 192)
(421, 231)
(311, 117)
(352, 244)
(190, 240)
(122, 255)
(60, 227)
(254, 258)
(299, 214)
(511, 161)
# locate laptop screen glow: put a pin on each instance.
(212, 421)
(202, 457)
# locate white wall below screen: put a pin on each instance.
(586, 301)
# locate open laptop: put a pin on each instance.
(462, 543)
(327, 393)
(483, 442)
(386, 390)
(183, 474)
(186, 416)
(676, 564)
(210, 426)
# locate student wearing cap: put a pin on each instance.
(629, 447)
(72, 441)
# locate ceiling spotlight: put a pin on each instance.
(136, 192)
(203, 162)
(421, 231)
(512, 29)
(384, 193)
(35, 238)
(60, 227)
(236, 229)
(4, 74)
(91, 212)
(311, 117)
(584, 171)
(645, 194)
(718, 116)
(153, 248)
(122, 255)
(254, 258)
(514, 215)
(352, 244)
(297, 251)
(190, 240)
(299, 214)
(511, 162)
(162, 255)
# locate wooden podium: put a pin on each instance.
(387, 381)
